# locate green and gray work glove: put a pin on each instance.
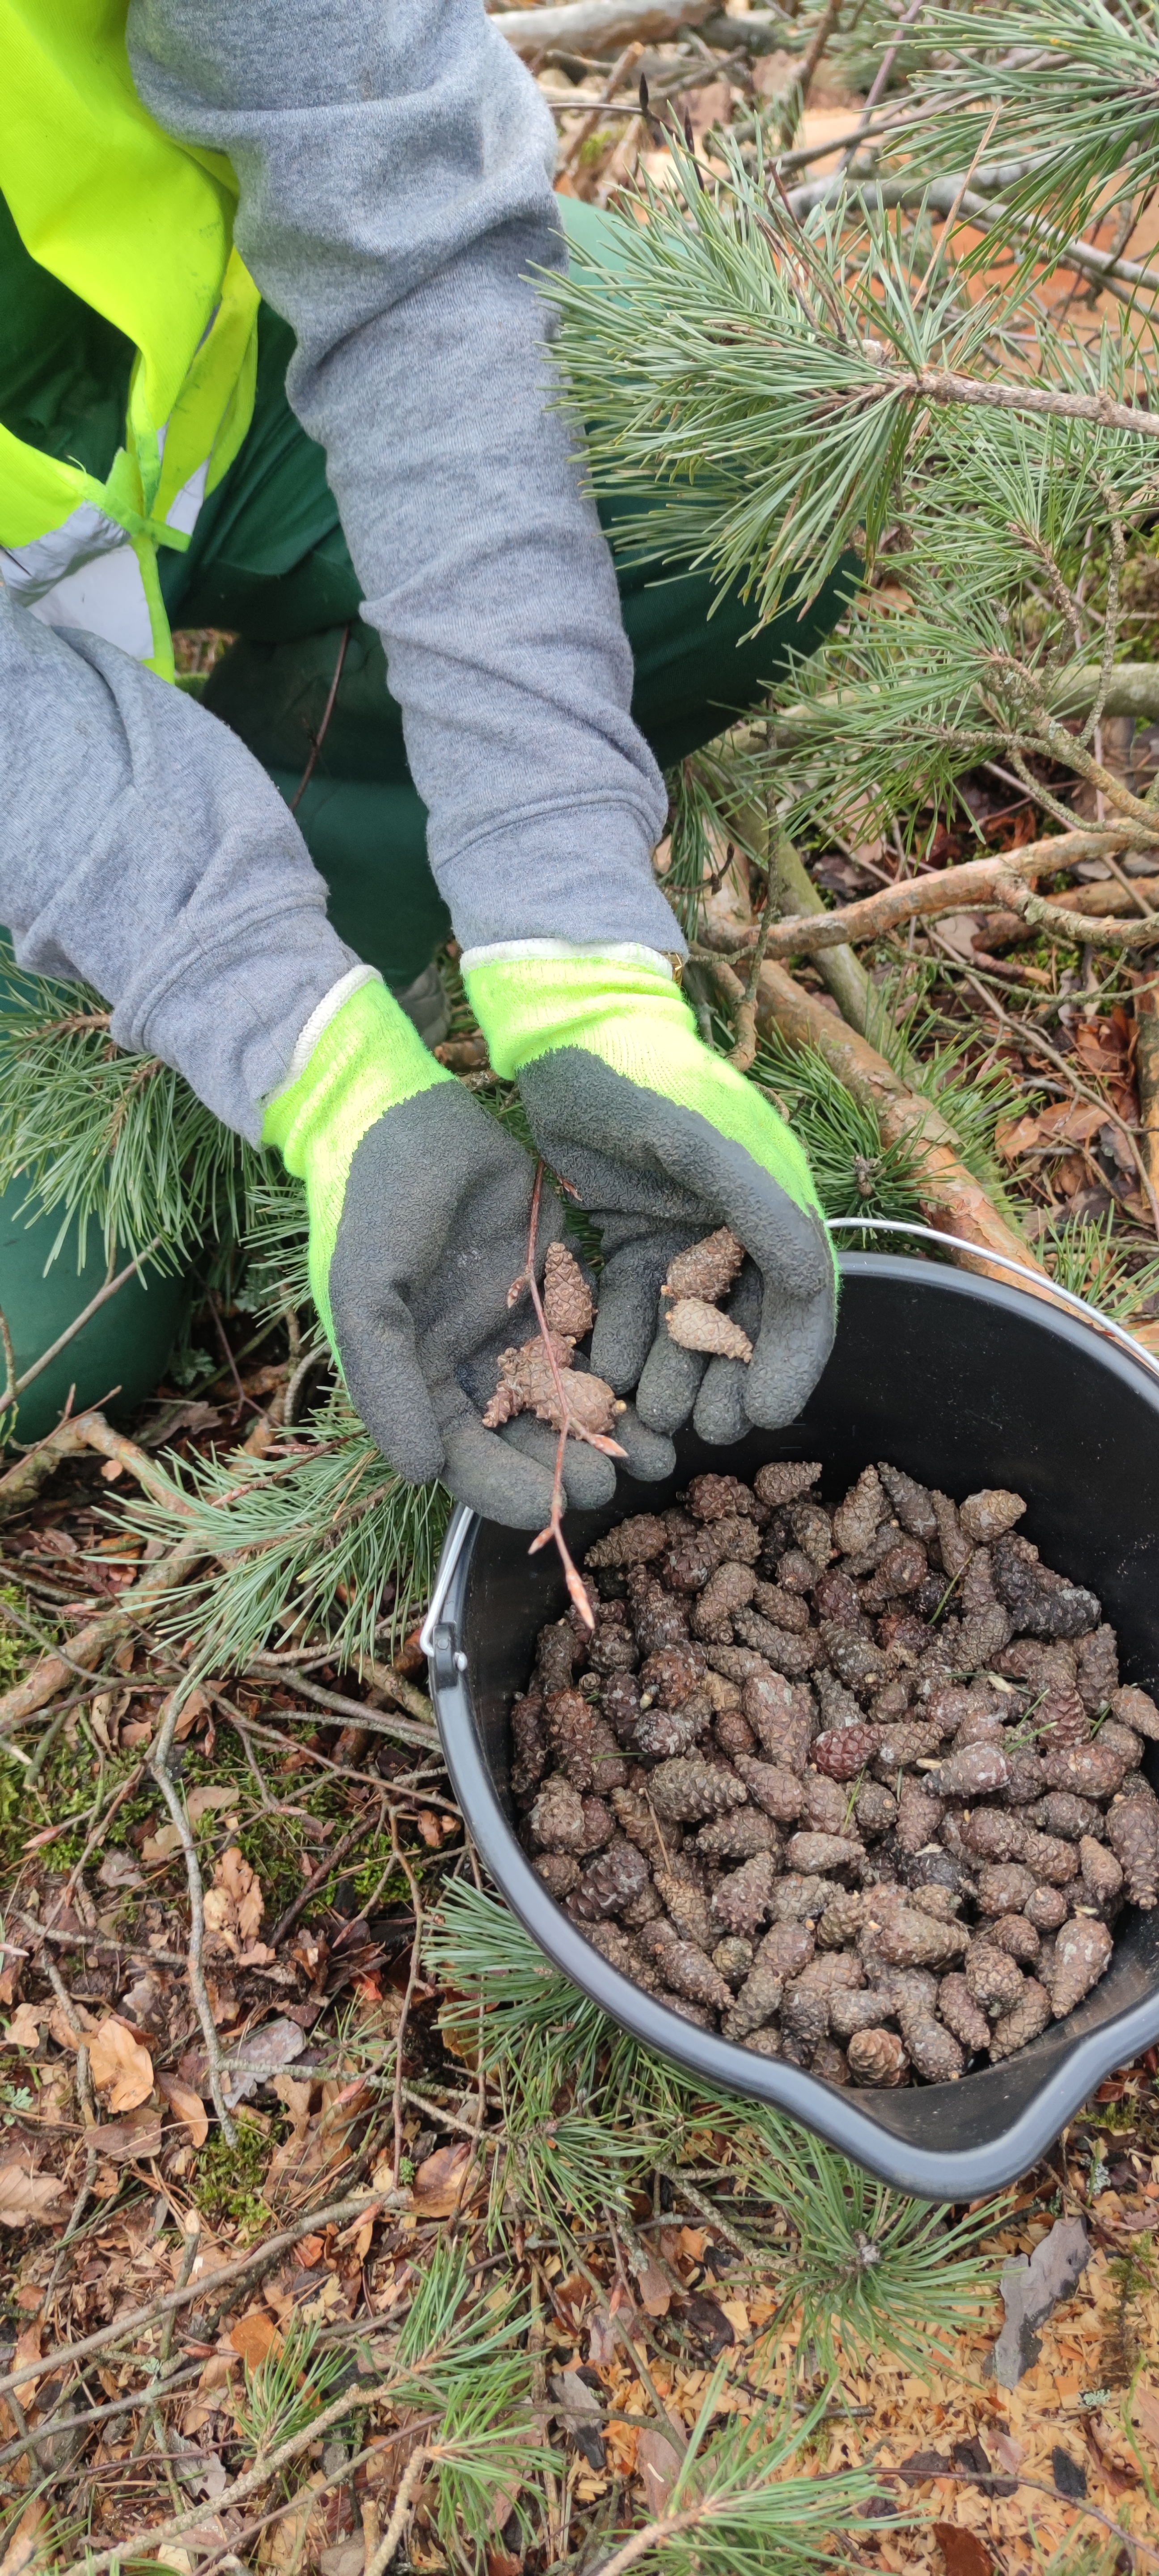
(419, 1209)
(663, 1142)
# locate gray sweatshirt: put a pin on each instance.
(394, 165)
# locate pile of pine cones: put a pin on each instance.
(859, 1788)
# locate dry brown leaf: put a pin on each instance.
(442, 2183)
(24, 2027)
(653, 2290)
(185, 2105)
(234, 1906)
(25, 2195)
(659, 2466)
(138, 2135)
(1145, 2413)
(255, 2337)
(119, 2065)
(964, 2553)
(31, 2543)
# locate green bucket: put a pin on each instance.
(124, 1346)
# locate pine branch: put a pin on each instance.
(1004, 879)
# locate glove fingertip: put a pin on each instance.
(669, 1383)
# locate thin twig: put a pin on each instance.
(408, 2489)
(319, 738)
(159, 1767)
(318, 1877)
(408, 1997)
(554, 1529)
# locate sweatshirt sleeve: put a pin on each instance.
(394, 172)
(143, 849)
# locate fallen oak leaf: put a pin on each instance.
(25, 2196)
(118, 2064)
(964, 2553)
(186, 2105)
(441, 2183)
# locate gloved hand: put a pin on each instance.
(663, 1141)
(419, 1208)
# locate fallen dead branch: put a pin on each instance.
(976, 883)
(136, 1603)
(598, 26)
(950, 1196)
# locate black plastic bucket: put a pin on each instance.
(963, 1383)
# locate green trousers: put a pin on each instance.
(269, 563)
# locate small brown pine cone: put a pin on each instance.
(731, 1588)
(830, 2063)
(1018, 1938)
(1003, 1887)
(784, 1608)
(909, 1502)
(988, 1515)
(837, 1705)
(738, 1540)
(567, 1301)
(599, 1825)
(856, 2008)
(782, 1725)
(560, 1872)
(633, 1542)
(843, 1751)
(946, 1705)
(787, 1653)
(826, 1807)
(758, 2000)
(734, 1735)
(857, 1519)
(1095, 1770)
(935, 1897)
(954, 1546)
(710, 1498)
(786, 1949)
(982, 1636)
(555, 1658)
(620, 1951)
(933, 2051)
(875, 1809)
(801, 1899)
(807, 1998)
(835, 1596)
(659, 1618)
(1029, 2018)
(1082, 1955)
(904, 1990)
(856, 1662)
(1136, 1709)
(613, 1650)
(1046, 1909)
(915, 1740)
(734, 1958)
(671, 1674)
(918, 1817)
(960, 2013)
(1122, 1739)
(1062, 1610)
(1064, 1813)
(978, 1771)
(936, 1868)
(701, 2015)
(664, 1732)
(812, 1530)
(1027, 1778)
(784, 1480)
(529, 1744)
(687, 1907)
(688, 1788)
(987, 1833)
(910, 1938)
(766, 2042)
(557, 1817)
(584, 1745)
(796, 1572)
(1102, 1874)
(724, 1695)
(818, 1853)
(620, 1704)
(686, 1565)
(877, 2057)
(610, 1882)
(687, 1970)
(1097, 1666)
(901, 1632)
(637, 1822)
(1133, 1834)
(707, 1269)
(741, 1902)
(780, 1793)
(1060, 1720)
(976, 1589)
(738, 1836)
(993, 1980)
(842, 1919)
(900, 1571)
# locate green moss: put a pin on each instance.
(14, 1652)
(228, 2181)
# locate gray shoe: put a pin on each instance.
(425, 1003)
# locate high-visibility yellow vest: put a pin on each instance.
(141, 229)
